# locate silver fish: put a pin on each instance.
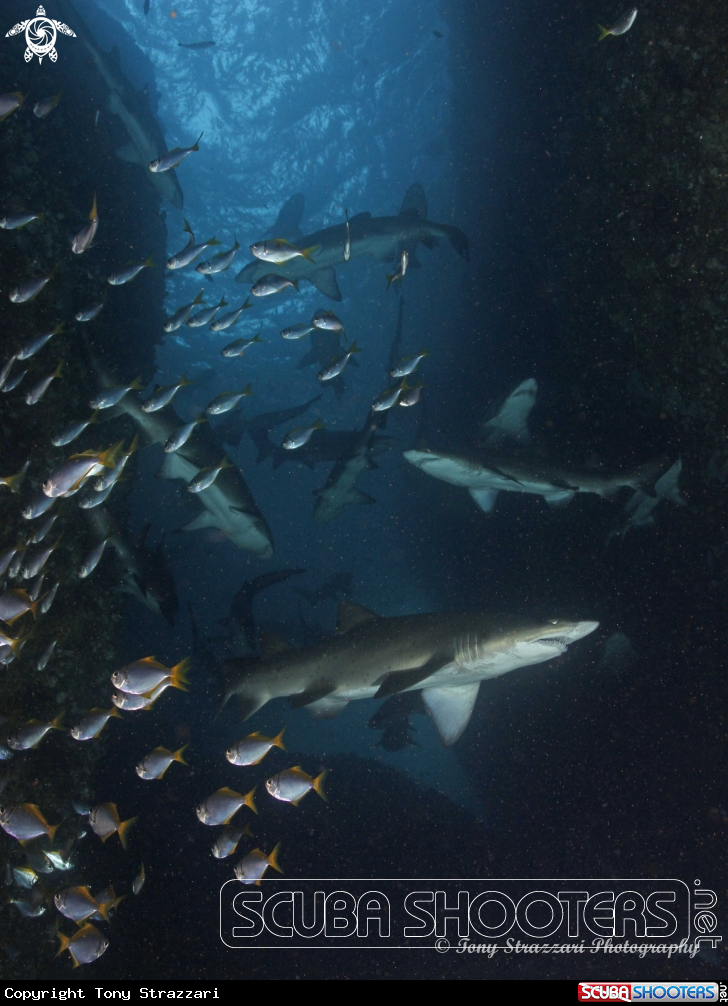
(7, 557)
(203, 318)
(204, 479)
(30, 909)
(85, 946)
(40, 532)
(173, 157)
(36, 587)
(31, 348)
(36, 560)
(133, 703)
(111, 476)
(410, 396)
(128, 274)
(388, 398)
(227, 841)
(621, 27)
(96, 498)
(180, 437)
(399, 273)
(104, 821)
(336, 366)
(291, 785)
(12, 382)
(14, 604)
(163, 396)
(146, 674)
(11, 101)
(47, 601)
(181, 315)
(278, 251)
(156, 763)
(138, 881)
(300, 436)
(87, 233)
(73, 472)
(25, 876)
(230, 318)
(222, 805)
(189, 254)
(297, 331)
(29, 290)
(5, 372)
(92, 559)
(89, 313)
(42, 662)
(74, 430)
(328, 321)
(218, 263)
(5, 753)
(91, 725)
(347, 242)
(13, 222)
(408, 364)
(251, 868)
(28, 736)
(252, 749)
(271, 284)
(46, 105)
(226, 401)
(238, 347)
(112, 396)
(35, 394)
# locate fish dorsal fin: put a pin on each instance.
(270, 645)
(351, 615)
(414, 202)
(511, 421)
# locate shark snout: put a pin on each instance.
(568, 632)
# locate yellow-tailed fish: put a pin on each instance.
(13, 482)
(278, 251)
(87, 233)
(91, 725)
(85, 946)
(227, 841)
(24, 821)
(222, 805)
(251, 868)
(34, 395)
(156, 763)
(268, 285)
(138, 881)
(33, 732)
(252, 749)
(301, 435)
(291, 785)
(145, 675)
(621, 27)
(104, 821)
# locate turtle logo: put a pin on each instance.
(40, 34)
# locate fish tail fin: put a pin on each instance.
(278, 741)
(178, 754)
(390, 280)
(354, 348)
(20, 96)
(202, 418)
(137, 384)
(248, 389)
(247, 304)
(257, 338)
(603, 32)
(150, 263)
(108, 458)
(237, 243)
(318, 785)
(197, 141)
(94, 215)
(226, 464)
(13, 481)
(294, 283)
(186, 226)
(319, 424)
(94, 417)
(134, 444)
(64, 941)
(223, 303)
(308, 253)
(200, 297)
(57, 723)
(52, 829)
(213, 241)
(273, 859)
(124, 831)
(184, 381)
(179, 674)
(58, 372)
(249, 801)
(115, 712)
(247, 830)
(60, 327)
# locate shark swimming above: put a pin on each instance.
(228, 503)
(384, 238)
(445, 656)
(505, 463)
(131, 107)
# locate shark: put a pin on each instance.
(228, 503)
(340, 489)
(131, 107)
(241, 620)
(506, 463)
(231, 428)
(444, 656)
(383, 238)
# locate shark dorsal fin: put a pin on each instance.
(270, 645)
(352, 615)
(361, 217)
(414, 202)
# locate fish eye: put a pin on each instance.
(554, 621)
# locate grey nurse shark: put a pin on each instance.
(505, 463)
(445, 656)
(383, 238)
(227, 504)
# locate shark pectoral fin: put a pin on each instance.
(308, 360)
(325, 281)
(271, 644)
(400, 681)
(175, 467)
(430, 241)
(313, 694)
(357, 496)
(484, 498)
(327, 708)
(559, 499)
(451, 709)
(351, 615)
(202, 520)
(128, 152)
